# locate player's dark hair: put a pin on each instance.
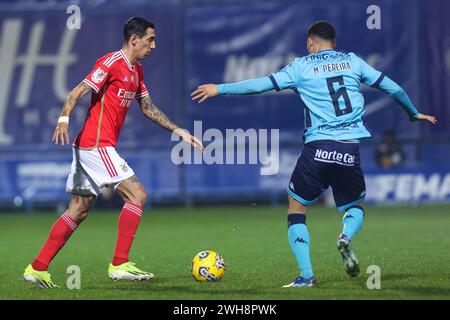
(323, 30)
(137, 26)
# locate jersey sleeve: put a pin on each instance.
(287, 77)
(369, 75)
(394, 90)
(250, 86)
(97, 78)
(376, 79)
(142, 90)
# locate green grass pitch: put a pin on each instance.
(410, 244)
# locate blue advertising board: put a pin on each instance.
(41, 60)
(238, 42)
(198, 42)
(434, 64)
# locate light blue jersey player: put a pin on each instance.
(327, 83)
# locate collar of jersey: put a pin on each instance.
(130, 66)
(324, 50)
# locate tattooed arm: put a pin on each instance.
(152, 112)
(62, 128)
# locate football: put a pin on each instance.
(208, 266)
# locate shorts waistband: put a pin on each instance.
(332, 142)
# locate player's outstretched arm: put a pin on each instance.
(204, 92)
(251, 86)
(426, 117)
(394, 90)
(62, 128)
(152, 112)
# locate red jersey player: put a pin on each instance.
(116, 80)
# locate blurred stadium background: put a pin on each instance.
(220, 41)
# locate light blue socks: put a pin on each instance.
(298, 237)
(352, 221)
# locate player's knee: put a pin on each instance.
(140, 198)
(78, 214)
(296, 207)
(79, 208)
(82, 216)
(143, 198)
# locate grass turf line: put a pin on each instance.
(409, 243)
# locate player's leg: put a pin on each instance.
(352, 223)
(135, 197)
(83, 190)
(60, 232)
(303, 190)
(299, 241)
(349, 192)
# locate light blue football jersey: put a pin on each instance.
(328, 84)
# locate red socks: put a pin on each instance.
(59, 234)
(128, 223)
(63, 228)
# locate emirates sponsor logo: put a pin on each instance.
(126, 94)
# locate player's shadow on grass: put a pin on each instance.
(432, 292)
(162, 285)
(399, 276)
(195, 291)
(174, 290)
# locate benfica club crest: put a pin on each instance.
(98, 76)
(124, 167)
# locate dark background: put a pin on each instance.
(219, 41)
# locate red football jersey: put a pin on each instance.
(115, 84)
